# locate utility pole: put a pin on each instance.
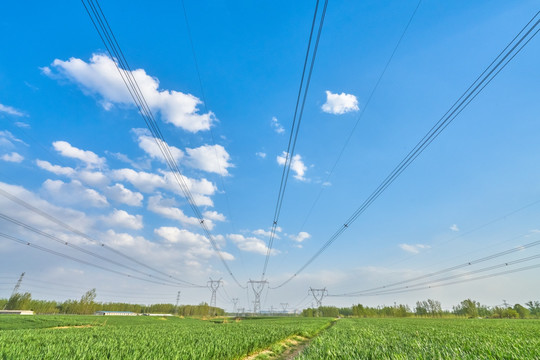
(258, 287)
(15, 289)
(235, 301)
(213, 285)
(318, 295)
(177, 301)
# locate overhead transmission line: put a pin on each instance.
(59, 222)
(106, 34)
(446, 270)
(361, 115)
(85, 251)
(436, 284)
(295, 127)
(526, 34)
(44, 249)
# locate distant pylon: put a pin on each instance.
(213, 285)
(318, 295)
(177, 301)
(284, 306)
(234, 301)
(258, 287)
(16, 288)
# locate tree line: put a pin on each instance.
(87, 306)
(432, 308)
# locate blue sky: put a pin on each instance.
(73, 145)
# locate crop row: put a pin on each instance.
(427, 339)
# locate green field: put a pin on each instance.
(427, 339)
(98, 337)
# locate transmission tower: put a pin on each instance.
(177, 301)
(16, 288)
(235, 301)
(318, 295)
(258, 287)
(284, 306)
(213, 285)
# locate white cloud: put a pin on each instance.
(210, 158)
(262, 232)
(121, 194)
(338, 104)
(100, 76)
(13, 157)
(167, 209)
(151, 147)
(214, 215)
(93, 178)
(121, 218)
(302, 235)
(22, 124)
(277, 126)
(74, 193)
(297, 165)
(195, 245)
(454, 227)
(414, 249)
(251, 244)
(86, 156)
(55, 169)
(262, 155)
(149, 182)
(7, 139)
(11, 111)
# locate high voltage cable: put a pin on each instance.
(506, 272)
(86, 236)
(452, 268)
(499, 63)
(41, 248)
(373, 90)
(78, 248)
(109, 40)
(295, 127)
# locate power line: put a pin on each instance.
(55, 220)
(499, 63)
(78, 248)
(295, 128)
(113, 48)
(360, 116)
(53, 252)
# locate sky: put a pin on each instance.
(74, 146)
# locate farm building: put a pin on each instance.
(115, 313)
(161, 315)
(16, 312)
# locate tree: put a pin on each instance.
(19, 302)
(534, 307)
(467, 308)
(87, 304)
(522, 311)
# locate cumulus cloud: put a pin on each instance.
(414, 249)
(297, 165)
(100, 77)
(121, 218)
(214, 215)
(74, 193)
(148, 182)
(194, 245)
(209, 158)
(13, 157)
(86, 156)
(338, 104)
(150, 146)
(262, 155)
(277, 126)
(454, 227)
(11, 111)
(250, 244)
(167, 208)
(7, 139)
(121, 194)
(300, 237)
(55, 169)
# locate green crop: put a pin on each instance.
(427, 339)
(145, 337)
